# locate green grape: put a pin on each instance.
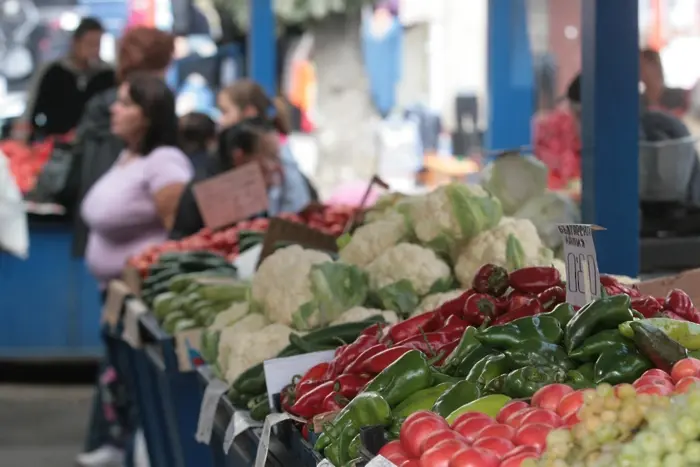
(650, 443)
(651, 461)
(607, 433)
(674, 460)
(673, 442)
(688, 427)
(604, 389)
(692, 451)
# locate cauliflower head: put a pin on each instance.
(491, 247)
(232, 314)
(358, 313)
(370, 240)
(452, 215)
(282, 283)
(433, 301)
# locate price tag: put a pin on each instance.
(264, 446)
(239, 423)
(582, 277)
(232, 196)
(325, 463)
(380, 461)
(280, 371)
(207, 411)
(135, 308)
(117, 291)
(281, 230)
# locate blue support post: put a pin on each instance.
(262, 45)
(610, 130)
(510, 76)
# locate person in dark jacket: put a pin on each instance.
(197, 137)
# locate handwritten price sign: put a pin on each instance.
(582, 276)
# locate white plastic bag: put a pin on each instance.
(14, 234)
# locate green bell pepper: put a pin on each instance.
(455, 397)
(587, 370)
(495, 386)
(525, 382)
(439, 378)
(598, 343)
(332, 453)
(407, 375)
(535, 352)
(545, 328)
(562, 313)
(366, 409)
(354, 447)
(488, 368)
(421, 400)
(601, 314)
(617, 366)
(468, 343)
(468, 362)
(577, 380)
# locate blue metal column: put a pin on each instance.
(610, 130)
(510, 76)
(262, 45)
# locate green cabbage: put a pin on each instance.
(515, 179)
(548, 210)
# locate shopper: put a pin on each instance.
(129, 208)
(656, 94)
(198, 139)
(60, 90)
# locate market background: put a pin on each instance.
(443, 63)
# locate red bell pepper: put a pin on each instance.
(479, 307)
(491, 279)
(313, 377)
(334, 402)
(349, 385)
(454, 307)
(380, 361)
(432, 340)
(287, 397)
(376, 330)
(552, 297)
(679, 303)
(534, 279)
(413, 326)
(531, 308)
(356, 365)
(647, 306)
(445, 351)
(672, 315)
(694, 316)
(340, 363)
(311, 403)
(454, 323)
(305, 387)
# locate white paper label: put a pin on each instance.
(325, 463)
(247, 261)
(239, 423)
(264, 446)
(582, 277)
(380, 461)
(280, 371)
(134, 309)
(207, 411)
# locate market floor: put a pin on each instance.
(42, 426)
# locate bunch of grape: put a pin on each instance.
(609, 417)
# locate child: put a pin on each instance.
(197, 138)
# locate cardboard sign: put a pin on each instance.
(132, 278)
(117, 291)
(232, 196)
(187, 345)
(280, 371)
(134, 309)
(582, 276)
(286, 231)
(660, 287)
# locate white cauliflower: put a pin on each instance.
(359, 313)
(490, 247)
(251, 348)
(405, 261)
(370, 240)
(282, 283)
(433, 301)
(229, 316)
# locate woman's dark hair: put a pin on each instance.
(247, 93)
(157, 103)
(197, 130)
(87, 25)
(573, 92)
(245, 136)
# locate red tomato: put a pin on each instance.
(509, 409)
(534, 435)
(441, 453)
(647, 380)
(417, 428)
(684, 384)
(468, 416)
(571, 419)
(438, 437)
(500, 430)
(549, 396)
(392, 447)
(515, 420)
(499, 446)
(517, 460)
(474, 457)
(685, 367)
(411, 463)
(543, 416)
(570, 403)
(519, 450)
(656, 372)
(654, 389)
(470, 428)
(398, 458)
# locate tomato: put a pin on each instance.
(571, 419)
(646, 380)
(517, 460)
(509, 409)
(543, 416)
(441, 453)
(685, 367)
(498, 446)
(534, 435)
(500, 430)
(474, 457)
(519, 450)
(468, 416)
(411, 463)
(549, 396)
(438, 437)
(392, 447)
(684, 384)
(654, 389)
(470, 428)
(398, 458)
(570, 403)
(416, 428)
(656, 372)
(515, 420)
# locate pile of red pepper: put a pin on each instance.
(327, 219)
(26, 162)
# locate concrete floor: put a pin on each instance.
(42, 425)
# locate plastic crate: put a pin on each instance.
(178, 395)
(665, 168)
